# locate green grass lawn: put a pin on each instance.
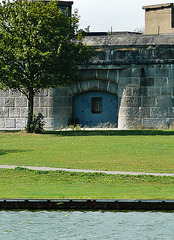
(144, 151)
(133, 150)
(22, 183)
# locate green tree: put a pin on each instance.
(40, 47)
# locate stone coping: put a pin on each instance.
(158, 6)
(130, 40)
(87, 204)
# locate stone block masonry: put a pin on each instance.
(149, 105)
(137, 69)
(54, 104)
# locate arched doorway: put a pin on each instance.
(93, 108)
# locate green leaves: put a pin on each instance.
(38, 46)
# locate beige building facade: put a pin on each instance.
(159, 18)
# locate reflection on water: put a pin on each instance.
(65, 225)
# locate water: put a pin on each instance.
(77, 225)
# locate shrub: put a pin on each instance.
(37, 124)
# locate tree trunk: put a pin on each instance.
(30, 109)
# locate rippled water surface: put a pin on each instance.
(65, 225)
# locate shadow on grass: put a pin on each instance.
(7, 151)
(112, 133)
(10, 131)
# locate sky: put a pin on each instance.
(121, 15)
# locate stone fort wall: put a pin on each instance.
(139, 70)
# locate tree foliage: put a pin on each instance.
(40, 47)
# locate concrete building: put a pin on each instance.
(159, 18)
(130, 84)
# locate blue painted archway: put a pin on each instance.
(93, 108)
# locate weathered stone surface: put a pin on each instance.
(102, 74)
(158, 112)
(4, 93)
(147, 82)
(129, 40)
(125, 112)
(21, 123)
(161, 81)
(4, 112)
(1, 102)
(10, 123)
(36, 102)
(14, 112)
(131, 102)
(61, 91)
(9, 102)
(144, 91)
(163, 101)
(89, 74)
(161, 73)
(155, 123)
(130, 72)
(40, 110)
(171, 82)
(171, 112)
(166, 91)
(112, 88)
(141, 112)
(62, 102)
(136, 91)
(129, 82)
(153, 91)
(84, 86)
(47, 102)
(113, 75)
(42, 93)
(49, 123)
(172, 102)
(138, 69)
(21, 102)
(130, 123)
(75, 89)
(150, 72)
(15, 93)
(148, 101)
(120, 92)
(103, 85)
(59, 112)
(2, 123)
(24, 112)
(93, 85)
(127, 92)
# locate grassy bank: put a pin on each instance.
(22, 183)
(134, 150)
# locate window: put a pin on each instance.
(96, 105)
